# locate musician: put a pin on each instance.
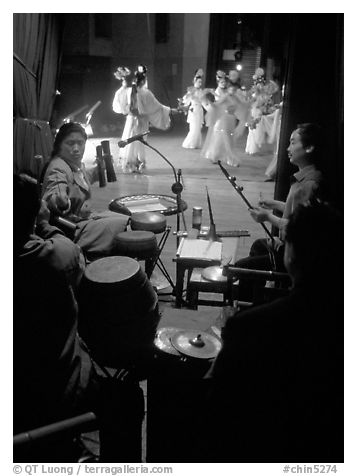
(53, 374)
(304, 153)
(66, 190)
(277, 383)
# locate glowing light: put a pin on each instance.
(239, 67)
(89, 130)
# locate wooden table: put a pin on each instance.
(229, 256)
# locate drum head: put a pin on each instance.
(197, 344)
(113, 269)
(149, 221)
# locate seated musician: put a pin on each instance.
(277, 383)
(304, 153)
(53, 373)
(66, 189)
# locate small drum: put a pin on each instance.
(118, 312)
(148, 221)
(137, 244)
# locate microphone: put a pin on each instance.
(124, 143)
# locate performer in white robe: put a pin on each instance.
(193, 101)
(142, 109)
(262, 110)
(221, 144)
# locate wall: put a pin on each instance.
(195, 45)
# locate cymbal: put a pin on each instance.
(162, 340)
(159, 281)
(214, 273)
(196, 344)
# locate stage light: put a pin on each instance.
(239, 67)
(88, 129)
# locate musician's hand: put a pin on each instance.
(267, 203)
(44, 213)
(59, 204)
(260, 215)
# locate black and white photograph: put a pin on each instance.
(178, 241)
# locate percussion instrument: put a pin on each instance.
(186, 345)
(197, 344)
(137, 244)
(214, 274)
(148, 221)
(164, 204)
(118, 312)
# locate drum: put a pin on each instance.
(130, 204)
(137, 244)
(118, 312)
(148, 221)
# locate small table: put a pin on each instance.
(229, 256)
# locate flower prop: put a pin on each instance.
(122, 72)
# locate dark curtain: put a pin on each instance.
(314, 93)
(36, 46)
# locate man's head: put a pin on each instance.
(26, 207)
(314, 234)
(305, 145)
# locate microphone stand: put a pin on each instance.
(176, 188)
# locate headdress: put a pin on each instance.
(258, 76)
(140, 73)
(122, 72)
(220, 75)
(198, 74)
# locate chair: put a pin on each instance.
(280, 283)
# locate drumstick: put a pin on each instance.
(209, 207)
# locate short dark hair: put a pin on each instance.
(316, 234)
(311, 135)
(26, 205)
(64, 131)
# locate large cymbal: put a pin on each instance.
(163, 340)
(213, 273)
(198, 344)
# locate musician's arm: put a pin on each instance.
(261, 215)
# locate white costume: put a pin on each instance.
(262, 116)
(142, 111)
(192, 99)
(220, 143)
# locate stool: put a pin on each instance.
(138, 244)
(156, 223)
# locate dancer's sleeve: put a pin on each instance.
(158, 114)
(120, 101)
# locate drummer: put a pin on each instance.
(66, 189)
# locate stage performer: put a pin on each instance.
(66, 190)
(220, 145)
(208, 100)
(142, 109)
(262, 117)
(193, 101)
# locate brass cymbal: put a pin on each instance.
(214, 273)
(162, 340)
(196, 344)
